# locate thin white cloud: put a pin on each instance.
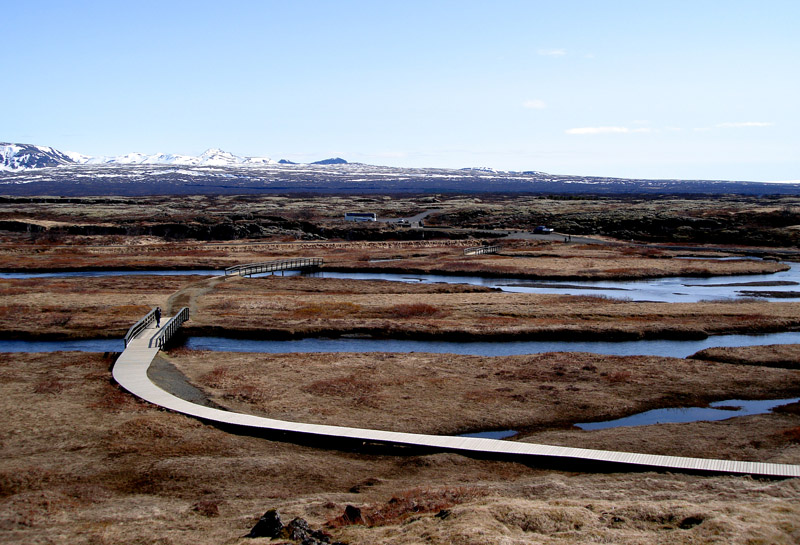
(606, 130)
(740, 124)
(534, 104)
(552, 52)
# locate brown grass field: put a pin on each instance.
(526, 259)
(85, 462)
(296, 306)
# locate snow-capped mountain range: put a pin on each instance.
(28, 156)
(28, 170)
(211, 157)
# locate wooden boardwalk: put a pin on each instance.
(130, 371)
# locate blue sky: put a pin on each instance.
(656, 89)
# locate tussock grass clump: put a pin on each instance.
(341, 387)
(618, 377)
(21, 480)
(414, 310)
(792, 434)
(49, 386)
(225, 379)
(407, 504)
(326, 310)
(548, 520)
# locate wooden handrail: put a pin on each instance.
(477, 250)
(165, 333)
(139, 326)
(277, 265)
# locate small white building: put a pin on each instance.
(360, 216)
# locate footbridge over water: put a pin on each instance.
(295, 264)
(145, 338)
(479, 250)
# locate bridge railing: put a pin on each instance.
(477, 250)
(277, 265)
(165, 333)
(140, 326)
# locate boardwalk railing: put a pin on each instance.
(165, 333)
(139, 326)
(477, 250)
(278, 265)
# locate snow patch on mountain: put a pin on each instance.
(26, 156)
(210, 157)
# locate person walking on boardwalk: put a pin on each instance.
(158, 316)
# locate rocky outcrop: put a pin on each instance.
(271, 526)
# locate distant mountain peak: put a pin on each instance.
(26, 156)
(334, 161)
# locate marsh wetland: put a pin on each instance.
(86, 462)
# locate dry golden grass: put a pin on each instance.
(87, 464)
(553, 260)
(81, 307)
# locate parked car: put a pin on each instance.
(542, 230)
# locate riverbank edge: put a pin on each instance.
(523, 276)
(393, 270)
(189, 330)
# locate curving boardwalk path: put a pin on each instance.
(130, 371)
